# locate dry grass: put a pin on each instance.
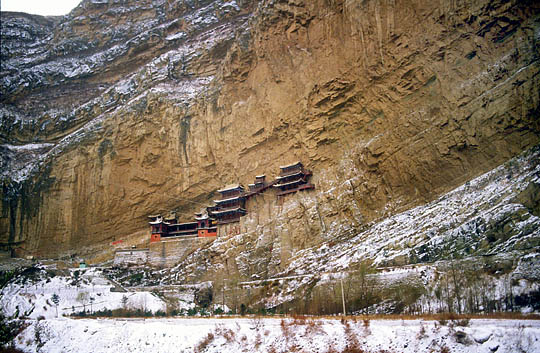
(314, 327)
(272, 349)
(285, 329)
(422, 332)
(353, 345)
(201, 346)
(436, 317)
(227, 333)
(258, 340)
(331, 350)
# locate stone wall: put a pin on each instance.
(128, 257)
(169, 252)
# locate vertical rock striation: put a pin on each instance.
(121, 109)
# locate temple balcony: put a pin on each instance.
(231, 210)
(301, 187)
(230, 220)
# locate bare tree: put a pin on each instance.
(124, 301)
(82, 298)
(56, 300)
(92, 299)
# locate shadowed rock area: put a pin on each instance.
(124, 109)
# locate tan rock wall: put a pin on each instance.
(389, 103)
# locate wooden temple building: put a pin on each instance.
(293, 178)
(169, 227)
(231, 205)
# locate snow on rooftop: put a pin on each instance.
(290, 165)
(230, 187)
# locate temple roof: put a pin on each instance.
(231, 187)
(291, 165)
(289, 183)
(289, 175)
(158, 222)
(229, 210)
(229, 199)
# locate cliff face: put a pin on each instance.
(122, 109)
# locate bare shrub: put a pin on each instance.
(41, 335)
(226, 333)
(463, 322)
(422, 332)
(285, 329)
(352, 348)
(258, 340)
(256, 323)
(353, 345)
(271, 349)
(313, 327)
(294, 348)
(201, 346)
(365, 324)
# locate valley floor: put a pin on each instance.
(278, 335)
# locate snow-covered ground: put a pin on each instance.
(30, 295)
(34, 298)
(278, 335)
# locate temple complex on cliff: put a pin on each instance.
(231, 205)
